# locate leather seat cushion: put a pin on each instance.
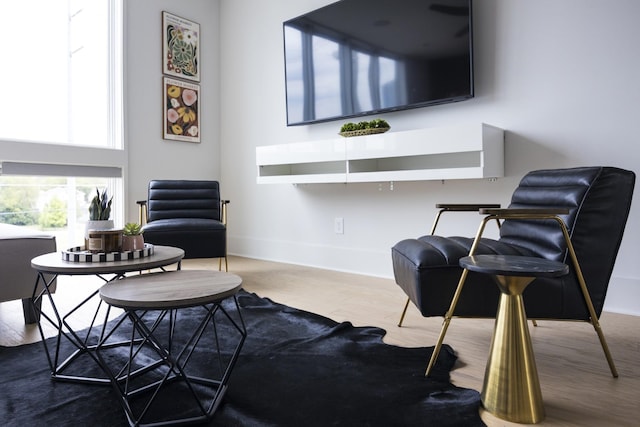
(427, 270)
(183, 224)
(199, 237)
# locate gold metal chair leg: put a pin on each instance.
(438, 346)
(226, 264)
(587, 299)
(605, 347)
(454, 301)
(445, 324)
(404, 312)
(223, 218)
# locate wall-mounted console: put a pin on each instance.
(457, 152)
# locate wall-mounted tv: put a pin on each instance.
(360, 57)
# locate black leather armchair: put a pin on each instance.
(186, 214)
(595, 202)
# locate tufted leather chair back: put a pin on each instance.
(183, 199)
(599, 199)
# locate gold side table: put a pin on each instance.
(511, 388)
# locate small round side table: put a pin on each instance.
(511, 388)
(155, 365)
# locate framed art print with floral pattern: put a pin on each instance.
(181, 110)
(180, 47)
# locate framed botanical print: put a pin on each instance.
(181, 110)
(180, 47)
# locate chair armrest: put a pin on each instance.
(532, 213)
(459, 207)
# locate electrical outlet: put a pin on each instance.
(338, 225)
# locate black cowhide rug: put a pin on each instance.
(296, 369)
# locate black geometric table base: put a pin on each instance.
(84, 342)
(167, 376)
(61, 359)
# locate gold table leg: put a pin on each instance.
(511, 389)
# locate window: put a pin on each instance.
(61, 81)
(62, 111)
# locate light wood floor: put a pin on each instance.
(577, 387)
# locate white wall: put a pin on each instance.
(560, 77)
(151, 156)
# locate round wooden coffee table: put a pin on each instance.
(151, 301)
(49, 267)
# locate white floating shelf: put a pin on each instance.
(459, 152)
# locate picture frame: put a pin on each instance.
(181, 110)
(180, 47)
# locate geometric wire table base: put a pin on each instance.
(84, 342)
(156, 379)
(49, 268)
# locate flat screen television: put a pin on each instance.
(361, 57)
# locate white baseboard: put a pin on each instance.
(623, 296)
(350, 260)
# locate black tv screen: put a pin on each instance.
(360, 57)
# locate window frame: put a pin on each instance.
(100, 159)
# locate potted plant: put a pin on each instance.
(99, 216)
(364, 128)
(132, 239)
(100, 207)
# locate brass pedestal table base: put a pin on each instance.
(511, 388)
